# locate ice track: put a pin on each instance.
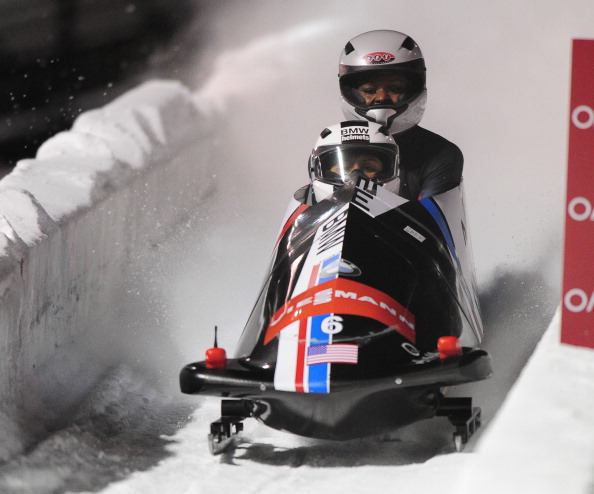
(91, 403)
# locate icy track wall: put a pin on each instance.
(72, 221)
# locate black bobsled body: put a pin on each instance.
(343, 341)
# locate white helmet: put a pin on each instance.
(383, 52)
(352, 149)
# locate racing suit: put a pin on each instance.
(429, 164)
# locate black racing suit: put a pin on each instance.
(429, 164)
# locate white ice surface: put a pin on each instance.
(541, 442)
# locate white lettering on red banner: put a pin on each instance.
(577, 300)
(577, 316)
(342, 296)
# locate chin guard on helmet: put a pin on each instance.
(382, 116)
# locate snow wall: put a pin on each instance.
(92, 210)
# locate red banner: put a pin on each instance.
(342, 296)
(577, 327)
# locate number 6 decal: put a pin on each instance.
(332, 324)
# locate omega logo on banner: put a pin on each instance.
(583, 117)
(580, 209)
(577, 300)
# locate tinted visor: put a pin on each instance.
(343, 164)
(408, 81)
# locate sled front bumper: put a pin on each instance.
(239, 381)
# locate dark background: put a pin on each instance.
(59, 58)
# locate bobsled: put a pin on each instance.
(368, 314)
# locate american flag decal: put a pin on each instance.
(338, 353)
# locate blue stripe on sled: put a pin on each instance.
(319, 374)
(434, 210)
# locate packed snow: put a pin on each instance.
(500, 95)
(541, 441)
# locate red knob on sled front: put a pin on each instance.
(449, 346)
(216, 358)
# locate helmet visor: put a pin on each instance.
(382, 87)
(344, 164)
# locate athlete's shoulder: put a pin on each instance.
(424, 144)
(421, 134)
